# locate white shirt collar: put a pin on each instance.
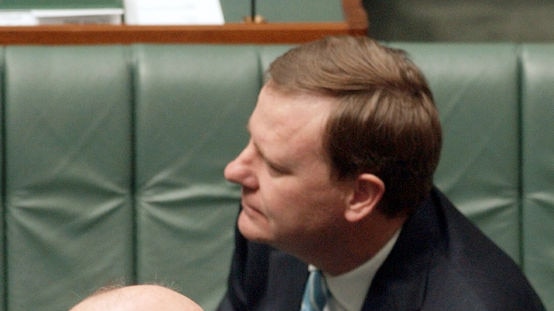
(350, 289)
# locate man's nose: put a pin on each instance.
(242, 170)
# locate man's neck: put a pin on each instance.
(358, 244)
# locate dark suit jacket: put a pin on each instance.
(440, 262)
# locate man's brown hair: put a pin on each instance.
(385, 121)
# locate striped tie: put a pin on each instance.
(315, 294)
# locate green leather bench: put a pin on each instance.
(537, 168)
(112, 160)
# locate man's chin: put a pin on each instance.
(252, 230)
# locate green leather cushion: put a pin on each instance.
(192, 104)
(538, 167)
(67, 130)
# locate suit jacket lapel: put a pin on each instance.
(286, 280)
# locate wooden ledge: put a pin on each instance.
(228, 33)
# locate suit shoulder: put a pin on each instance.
(471, 267)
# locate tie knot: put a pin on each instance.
(315, 294)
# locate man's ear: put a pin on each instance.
(367, 192)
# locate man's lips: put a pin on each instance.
(249, 209)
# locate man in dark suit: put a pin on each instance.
(337, 184)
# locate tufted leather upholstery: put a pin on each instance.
(112, 160)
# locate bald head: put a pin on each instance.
(138, 298)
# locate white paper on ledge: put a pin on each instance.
(60, 16)
(78, 16)
(173, 12)
(17, 18)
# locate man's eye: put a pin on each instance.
(275, 170)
